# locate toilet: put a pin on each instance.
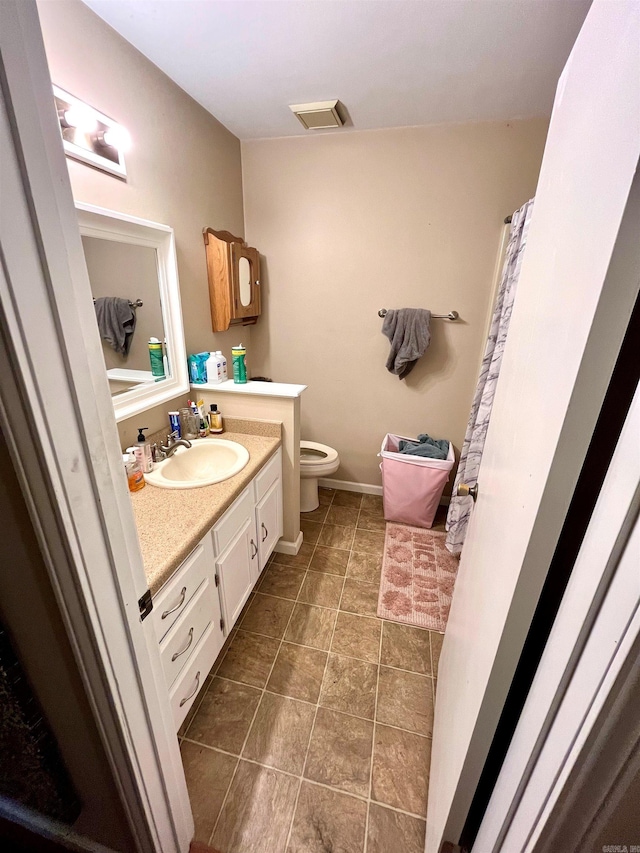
(316, 460)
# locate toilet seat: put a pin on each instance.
(316, 461)
(315, 456)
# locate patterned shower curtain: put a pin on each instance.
(471, 455)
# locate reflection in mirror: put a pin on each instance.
(244, 278)
(121, 274)
(133, 275)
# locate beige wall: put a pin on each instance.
(183, 168)
(351, 223)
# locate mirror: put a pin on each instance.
(134, 281)
(244, 279)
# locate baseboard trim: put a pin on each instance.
(348, 486)
(286, 546)
(363, 488)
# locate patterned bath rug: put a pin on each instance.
(418, 576)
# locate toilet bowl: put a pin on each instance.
(316, 460)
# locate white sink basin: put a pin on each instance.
(207, 461)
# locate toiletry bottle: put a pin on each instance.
(156, 358)
(223, 362)
(142, 452)
(215, 419)
(135, 477)
(214, 369)
(238, 355)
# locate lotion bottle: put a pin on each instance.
(142, 452)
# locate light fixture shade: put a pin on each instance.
(319, 115)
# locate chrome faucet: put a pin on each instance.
(173, 443)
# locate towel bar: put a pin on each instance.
(452, 315)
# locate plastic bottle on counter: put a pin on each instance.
(135, 477)
(214, 369)
(215, 419)
(238, 356)
(223, 362)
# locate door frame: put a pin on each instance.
(58, 419)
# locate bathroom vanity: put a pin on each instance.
(203, 551)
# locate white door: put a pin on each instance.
(571, 311)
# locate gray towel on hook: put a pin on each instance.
(409, 335)
(116, 322)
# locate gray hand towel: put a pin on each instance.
(116, 322)
(409, 335)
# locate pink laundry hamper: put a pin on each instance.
(412, 485)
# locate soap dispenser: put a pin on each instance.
(142, 452)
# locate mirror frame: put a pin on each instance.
(121, 228)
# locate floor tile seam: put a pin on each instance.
(302, 778)
(317, 649)
(225, 798)
(295, 600)
(313, 726)
(373, 746)
(253, 719)
(304, 701)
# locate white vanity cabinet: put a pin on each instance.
(195, 610)
(245, 536)
(188, 625)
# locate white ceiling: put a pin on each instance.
(392, 63)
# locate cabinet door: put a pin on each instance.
(235, 574)
(269, 521)
(245, 271)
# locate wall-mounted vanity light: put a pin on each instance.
(90, 136)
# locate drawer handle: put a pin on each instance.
(266, 532)
(183, 595)
(253, 553)
(186, 648)
(191, 695)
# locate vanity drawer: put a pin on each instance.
(234, 518)
(182, 639)
(175, 595)
(187, 686)
(269, 474)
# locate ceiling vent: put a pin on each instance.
(318, 116)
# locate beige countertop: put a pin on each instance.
(171, 522)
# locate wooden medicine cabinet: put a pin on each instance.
(234, 280)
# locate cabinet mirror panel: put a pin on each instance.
(134, 282)
(244, 280)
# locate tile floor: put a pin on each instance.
(313, 730)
